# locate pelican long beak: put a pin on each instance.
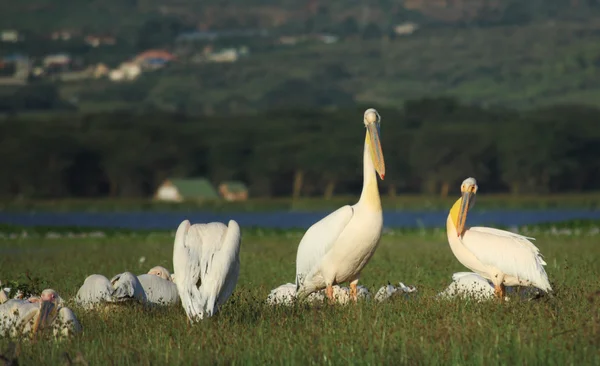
(467, 196)
(46, 308)
(376, 152)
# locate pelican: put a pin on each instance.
(29, 316)
(97, 289)
(389, 291)
(159, 287)
(208, 255)
(470, 284)
(286, 294)
(337, 248)
(504, 258)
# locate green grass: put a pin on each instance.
(402, 202)
(559, 330)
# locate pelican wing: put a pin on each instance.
(66, 323)
(318, 240)
(208, 255)
(511, 253)
(126, 286)
(158, 290)
(95, 289)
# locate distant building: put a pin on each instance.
(226, 55)
(153, 59)
(178, 190)
(61, 59)
(10, 35)
(405, 29)
(233, 191)
(14, 70)
(126, 71)
(96, 41)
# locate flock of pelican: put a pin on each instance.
(332, 252)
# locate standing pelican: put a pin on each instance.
(337, 248)
(505, 258)
(208, 255)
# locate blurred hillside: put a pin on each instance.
(238, 57)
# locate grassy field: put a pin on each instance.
(559, 330)
(418, 202)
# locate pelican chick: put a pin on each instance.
(286, 295)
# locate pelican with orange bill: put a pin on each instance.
(503, 257)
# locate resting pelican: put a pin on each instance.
(469, 284)
(159, 287)
(286, 294)
(29, 316)
(389, 291)
(505, 258)
(337, 248)
(207, 254)
(97, 289)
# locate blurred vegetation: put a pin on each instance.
(519, 55)
(430, 146)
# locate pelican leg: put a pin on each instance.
(329, 293)
(354, 290)
(499, 291)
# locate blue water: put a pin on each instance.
(283, 220)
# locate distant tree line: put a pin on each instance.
(430, 145)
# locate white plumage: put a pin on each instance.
(388, 291)
(505, 258)
(159, 291)
(97, 289)
(472, 285)
(337, 248)
(286, 295)
(468, 284)
(206, 261)
(22, 317)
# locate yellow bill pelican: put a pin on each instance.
(505, 258)
(337, 248)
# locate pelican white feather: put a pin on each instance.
(337, 248)
(207, 254)
(97, 289)
(21, 317)
(159, 291)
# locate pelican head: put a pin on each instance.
(372, 121)
(161, 272)
(468, 189)
(49, 306)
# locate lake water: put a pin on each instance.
(283, 220)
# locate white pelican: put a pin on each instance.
(505, 258)
(159, 287)
(470, 284)
(390, 290)
(208, 255)
(337, 248)
(97, 289)
(286, 295)
(19, 317)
